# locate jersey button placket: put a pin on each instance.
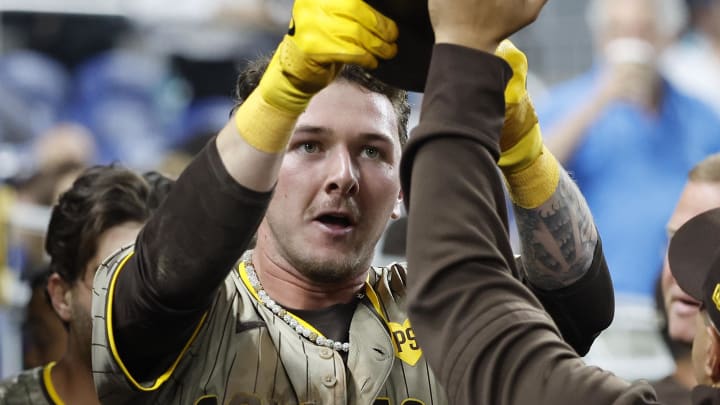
(329, 381)
(326, 353)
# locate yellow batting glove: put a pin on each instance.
(323, 35)
(520, 141)
(531, 171)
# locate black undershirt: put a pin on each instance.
(333, 322)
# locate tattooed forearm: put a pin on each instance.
(557, 238)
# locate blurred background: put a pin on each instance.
(626, 90)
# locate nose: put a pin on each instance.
(343, 174)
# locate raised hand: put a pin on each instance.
(481, 24)
(520, 142)
(324, 34)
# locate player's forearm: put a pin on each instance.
(558, 237)
(248, 166)
(182, 256)
(191, 243)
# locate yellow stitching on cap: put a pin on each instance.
(716, 296)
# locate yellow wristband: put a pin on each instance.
(524, 152)
(532, 186)
(265, 127)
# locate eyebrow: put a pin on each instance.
(324, 131)
(313, 129)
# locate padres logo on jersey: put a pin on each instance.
(406, 348)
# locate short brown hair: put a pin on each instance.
(101, 198)
(252, 73)
(708, 170)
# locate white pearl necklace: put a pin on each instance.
(288, 317)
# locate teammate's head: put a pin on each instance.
(250, 77)
(694, 256)
(701, 193)
(102, 211)
(338, 185)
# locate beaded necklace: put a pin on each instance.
(301, 327)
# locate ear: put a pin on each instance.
(398, 208)
(712, 359)
(60, 296)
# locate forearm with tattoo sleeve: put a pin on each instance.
(558, 238)
(563, 264)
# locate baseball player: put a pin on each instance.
(310, 160)
(102, 211)
(693, 256)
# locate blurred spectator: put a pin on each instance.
(33, 88)
(628, 136)
(693, 63)
(63, 144)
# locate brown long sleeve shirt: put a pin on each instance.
(486, 335)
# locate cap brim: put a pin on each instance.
(693, 252)
(409, 68)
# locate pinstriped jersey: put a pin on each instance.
(243, 353)
(30, 387)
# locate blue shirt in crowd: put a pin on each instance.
(631, 166)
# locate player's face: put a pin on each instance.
(696, 198)
(338, 185)
(81, 322)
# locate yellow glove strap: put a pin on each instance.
(521, 155)
(279, 89)
(532, 186)
(265, 127)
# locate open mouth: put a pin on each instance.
(336, 221)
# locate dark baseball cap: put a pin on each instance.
(694, 257)
(409, 68)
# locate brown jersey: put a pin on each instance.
(243, 353)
